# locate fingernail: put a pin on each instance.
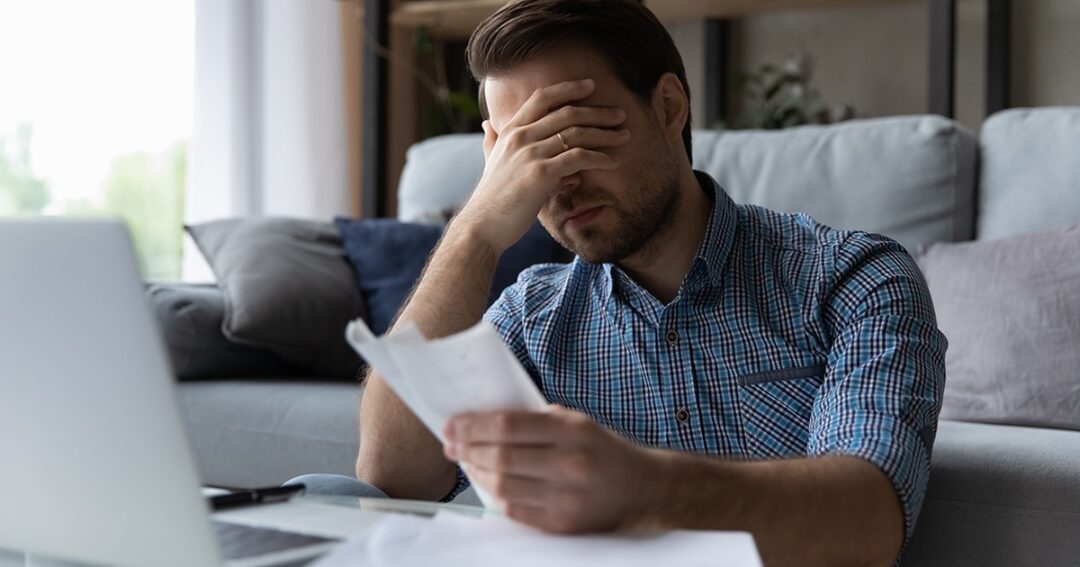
(586, 82)
(624, 132)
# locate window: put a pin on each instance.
(95, 115)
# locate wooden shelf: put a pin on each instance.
(385, 148)
(683, 10)
(458, 18)
(446, 18)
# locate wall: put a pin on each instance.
(875, 57)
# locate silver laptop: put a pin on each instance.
(94, 463)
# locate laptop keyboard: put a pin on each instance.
(238, 541)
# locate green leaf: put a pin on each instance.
(422, 40)
(465, 105)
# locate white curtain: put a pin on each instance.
(270, 130)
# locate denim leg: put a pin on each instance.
(337, 485)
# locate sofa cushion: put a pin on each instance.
(999, 496)
(263, 432)
(535, 247)
(439, 175)
(389, 256)
(910, 178)
(249, 433)
(1011, 311)
(288, 289)
(190, 317)
(1030, 178)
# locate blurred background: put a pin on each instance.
(182, 111)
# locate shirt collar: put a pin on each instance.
(708, 264)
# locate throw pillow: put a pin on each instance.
(288, 289)
(536, 247)
(389, 256)
(1011, 311)
(190, 317)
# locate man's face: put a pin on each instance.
(636, 200)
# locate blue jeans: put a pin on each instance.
(337, 485)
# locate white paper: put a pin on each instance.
(454, 540)
(470, 371)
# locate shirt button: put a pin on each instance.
(682, 415)
(672, 337)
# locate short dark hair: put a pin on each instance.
(624, 32)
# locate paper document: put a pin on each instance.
(455, 540)
(438, 379)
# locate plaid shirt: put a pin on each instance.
(787, 339)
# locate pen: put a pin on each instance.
(255, 496)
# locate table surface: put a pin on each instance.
(387, 505)
(338, 516)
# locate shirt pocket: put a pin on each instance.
(775, 408)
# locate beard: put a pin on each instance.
(645, 213)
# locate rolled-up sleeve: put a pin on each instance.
(882, 391)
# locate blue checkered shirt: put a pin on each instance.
(787, 339)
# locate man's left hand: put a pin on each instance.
(556, 470)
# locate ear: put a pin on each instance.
(490, 137)
(481, 100)
(671, 105)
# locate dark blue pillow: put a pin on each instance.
(536, 247)
(388, 256)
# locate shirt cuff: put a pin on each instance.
(462, 484)
(899, 451)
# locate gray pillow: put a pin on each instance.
(190, 317)
(288, 288)
(1011, 311)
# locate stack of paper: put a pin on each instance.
(438, 379)
(454, 540)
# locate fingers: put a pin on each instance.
(576, 160)
(582, 137)
(508, 488)
(588, 127)
(538, 516)
(524, 428)
(528, 461)
(571, 117)
(544, 99)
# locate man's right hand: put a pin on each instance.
(526, 162)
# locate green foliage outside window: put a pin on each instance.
(21, 192)
(145, 189)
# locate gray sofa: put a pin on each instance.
(998, 495)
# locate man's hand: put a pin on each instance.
(556, 470)
(526, 164)
(563, 473)
(526, 161)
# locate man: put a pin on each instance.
(714, 366)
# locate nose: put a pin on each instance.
(567, 184)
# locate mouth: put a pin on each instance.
(581, 216)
